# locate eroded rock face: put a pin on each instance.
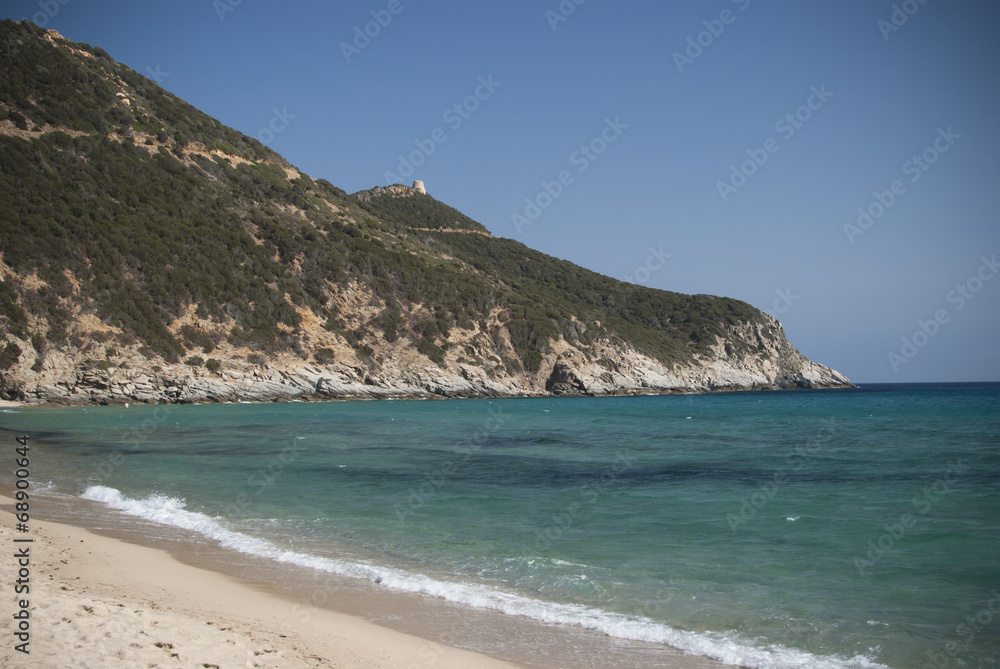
(753, 356)
(603, 369)
(563, 380)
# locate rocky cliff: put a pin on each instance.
(148, 253)
(396, 371)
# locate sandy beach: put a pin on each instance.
(98, 602)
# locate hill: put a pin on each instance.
(150, 253)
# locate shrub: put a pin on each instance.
(323, 356)
(391, 321)
(19, 120)
(10, 355)
(431, 350)
(196, 337)
(532, 361)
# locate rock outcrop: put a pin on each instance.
(604, 368)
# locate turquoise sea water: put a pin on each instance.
(851, 528)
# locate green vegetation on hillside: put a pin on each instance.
(137, 233)
(46, 84)
(420, 211)
(557, 295)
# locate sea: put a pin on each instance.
(827, 528)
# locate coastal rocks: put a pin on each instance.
(94, 379)
(627, 372)
(444, 383)
(752, 356)
(563, 380)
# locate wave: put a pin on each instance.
(726, 647)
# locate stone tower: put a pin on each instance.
(419, 187)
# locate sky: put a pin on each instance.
(834, 164)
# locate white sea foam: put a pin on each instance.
(727, 647)
(563, 563)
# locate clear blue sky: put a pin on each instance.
(888, 93)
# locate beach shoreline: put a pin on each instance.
(98, 588)
(133, 570)
(99, 601)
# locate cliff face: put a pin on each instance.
(397, 371)
(148, 253)
(625, 372)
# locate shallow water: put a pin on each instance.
(824, 529)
